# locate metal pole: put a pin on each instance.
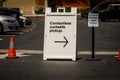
(93, 42)
(93, 47)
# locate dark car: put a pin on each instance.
(103, 6)
(112, 12)
(105, 12)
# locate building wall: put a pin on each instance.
(26, 6)
(40, 3)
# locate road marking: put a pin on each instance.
(1, 39)
(98, 52)
(24, 51)
(17, 54)
(79, 52)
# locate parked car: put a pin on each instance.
(112, 12)
(104, 11)
(15, 9)
(13, 13)
(103, 6)
(8, 23)
(9, 20)
(25, 21)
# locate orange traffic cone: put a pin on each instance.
(118, 58)
(12, 51)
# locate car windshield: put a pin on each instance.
(103, 6)
(9, 12)
(114, 8)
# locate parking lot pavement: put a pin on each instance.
(19, 53)
(4, 52)
(32, 67)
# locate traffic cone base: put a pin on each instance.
(12, 57)
(118, 58)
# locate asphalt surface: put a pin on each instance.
(107, 36)
(32, 67)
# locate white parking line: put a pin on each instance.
(17, 54)
(79, 52)
(98, 52)
(1, 39)
(24, 51)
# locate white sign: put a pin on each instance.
(60, 34)
(93, 19)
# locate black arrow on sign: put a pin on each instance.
(66, 41)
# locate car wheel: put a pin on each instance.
(1, 28)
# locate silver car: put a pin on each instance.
(8, 23)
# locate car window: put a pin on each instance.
(9, 12)
(114, 8)
(103, 6)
